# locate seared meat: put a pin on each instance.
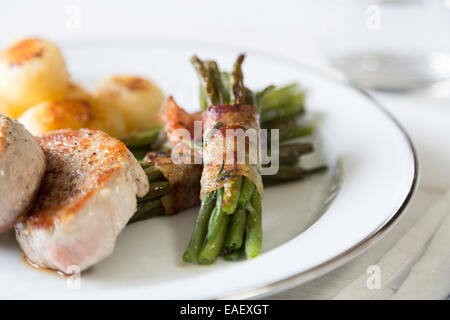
(86, 198)
(22, 166)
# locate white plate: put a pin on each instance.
(378, 177)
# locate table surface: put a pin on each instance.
(286, 28)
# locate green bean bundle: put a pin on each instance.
(231, 191)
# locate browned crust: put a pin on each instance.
(133, 83)
(23, 51)
(59, 196)
(3, 133)
(60, 110)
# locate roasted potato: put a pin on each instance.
(74, 91)
(8, 109)
(31, 71)
(74, 114)
(138, 99)
(109, 120)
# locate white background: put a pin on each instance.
(286, 28)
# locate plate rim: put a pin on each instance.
(357, 249)
(363, 245)
(324, 71)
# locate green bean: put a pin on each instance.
(246, 192)
(203, 100)
(235, 236)
(250, 98)
(280, 124)
(217, 79)
(261, 95)
(201, 224)
(144, 138)
(157, 189)
(234, 255)
(211, 248)
(237, 81)
(212, 93)
(232, 189)
(148, 205)
(287, 94)
(253, 239)
(293, 133)
(217, 216)
(152, 213)
(145, 207)
(153, 173)
(140, 153)
(226, 85)
(284, 111)
(290, 153)
(145, 164)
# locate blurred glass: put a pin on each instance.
(393, 45)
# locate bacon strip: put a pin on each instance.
(218, 146)
(184, 179)
(177, 118)
(184, 182)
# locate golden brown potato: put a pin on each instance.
(138, 99)
(8, 109)
(32, 70)
(74, 91)
(109, 120)
(74, 114)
